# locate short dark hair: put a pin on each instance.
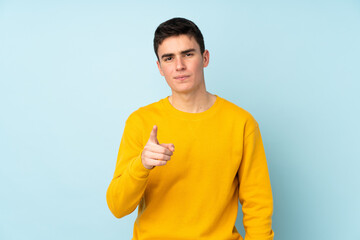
(175, 27)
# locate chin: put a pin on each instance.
(181, 91)
(184, 89)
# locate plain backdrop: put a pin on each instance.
(71, 72)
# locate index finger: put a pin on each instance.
(160, 149)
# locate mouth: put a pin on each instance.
(181, 77)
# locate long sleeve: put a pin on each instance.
(219, 159)
(130, 178)
(254, 188)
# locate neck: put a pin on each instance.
(192, 103)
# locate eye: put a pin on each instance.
(189, 54)
(167, 59)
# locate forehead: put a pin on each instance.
(177, 44)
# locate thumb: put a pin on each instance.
(169, 146)
(153, 135)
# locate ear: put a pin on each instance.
(159, 67)
(206, 58)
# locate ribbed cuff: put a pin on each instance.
(137, 169)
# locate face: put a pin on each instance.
(182, 64)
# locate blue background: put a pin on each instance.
(72, 71)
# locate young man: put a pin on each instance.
(191, 192)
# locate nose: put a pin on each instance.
(180, 64)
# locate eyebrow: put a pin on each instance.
(182, 52)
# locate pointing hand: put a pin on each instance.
(155, 154)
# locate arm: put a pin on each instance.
(254, 188)
(130, 178)
(133, 166)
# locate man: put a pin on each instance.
(193, 192)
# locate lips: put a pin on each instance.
(181, 77)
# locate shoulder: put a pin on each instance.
(145, 112)
(236, 111)
(239, 115)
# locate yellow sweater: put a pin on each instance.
(218, 159)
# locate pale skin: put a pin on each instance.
(182, 64)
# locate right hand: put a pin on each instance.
(155, 154)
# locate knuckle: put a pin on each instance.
(160, 163)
